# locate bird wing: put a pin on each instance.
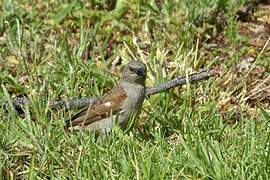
(104, 107)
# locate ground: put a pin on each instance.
(215, 129)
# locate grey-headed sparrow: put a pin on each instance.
(119, 105)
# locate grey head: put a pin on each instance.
(135, 72)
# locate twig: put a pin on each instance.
(19, 102)
(205, 74)
(72, 103)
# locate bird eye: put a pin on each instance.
(132, 69)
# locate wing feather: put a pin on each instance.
(106, 106)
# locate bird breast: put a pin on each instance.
(135, 97)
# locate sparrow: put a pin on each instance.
(119, 105)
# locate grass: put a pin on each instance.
(54, 50)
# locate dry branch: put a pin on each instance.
(19, 102)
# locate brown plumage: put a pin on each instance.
(99, 110)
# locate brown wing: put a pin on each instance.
(102, 108)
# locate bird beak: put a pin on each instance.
(141, 73)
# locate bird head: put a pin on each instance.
(135, 72)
